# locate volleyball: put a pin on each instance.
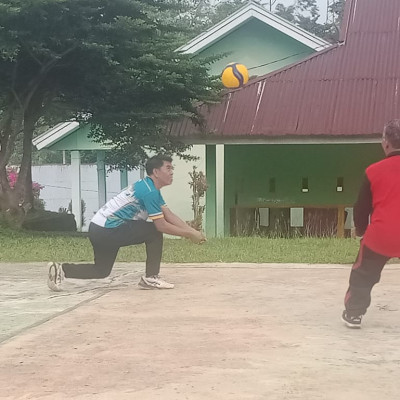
(234, 76)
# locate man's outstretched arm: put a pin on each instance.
(173, 219)
(164, 226)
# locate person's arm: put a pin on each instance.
(363, 207)
(162, 225)
(173, 218)
(167, 222)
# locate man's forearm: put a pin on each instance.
(165, 226)
(173, 219)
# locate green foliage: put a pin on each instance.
(224, 8)
(40, 220)
(111, 63)
(306, 14)
(203, 14)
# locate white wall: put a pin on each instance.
(56, 180)
(178, 195)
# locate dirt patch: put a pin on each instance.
(225, 332)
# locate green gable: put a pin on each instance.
(253, 44)
(78, 140)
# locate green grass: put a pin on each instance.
(22, 246)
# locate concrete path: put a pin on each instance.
(227, 331)
(26, 301)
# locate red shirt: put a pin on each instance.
(383, 232)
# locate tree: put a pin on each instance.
(196, 17)
(336, 10)
(225, 8)
(110, 63)
(305, 14)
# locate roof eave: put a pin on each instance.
(55, 134)
(284, 139)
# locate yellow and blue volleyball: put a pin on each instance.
(234, 76)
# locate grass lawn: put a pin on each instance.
(23, 246)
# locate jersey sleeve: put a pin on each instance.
(153, 202)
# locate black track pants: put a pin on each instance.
(107, 241)
(365, 273)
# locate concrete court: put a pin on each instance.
(227, 331)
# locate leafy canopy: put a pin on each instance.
(108, 62)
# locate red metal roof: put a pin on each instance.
(348, 89)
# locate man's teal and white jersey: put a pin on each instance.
(139, 201)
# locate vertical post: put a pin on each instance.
(123, 178)
(340, 222)
(101, 177)
(210, 220)
(76, 188)
(220, 189)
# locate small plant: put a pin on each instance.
(68, 210)
(198, 183)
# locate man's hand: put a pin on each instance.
(197, 237)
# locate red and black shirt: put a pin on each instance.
(377, 210)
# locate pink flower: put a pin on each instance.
(12, 176)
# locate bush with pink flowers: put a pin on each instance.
(12, 175)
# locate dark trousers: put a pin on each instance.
(366, 272)
(107, 241)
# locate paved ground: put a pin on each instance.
(227, 331)
(25, 299)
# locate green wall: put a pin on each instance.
(254, 43)
(250, 168)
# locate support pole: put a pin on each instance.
(76, 188)
(220, 189)
(101, 178)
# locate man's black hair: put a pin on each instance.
(156, 162)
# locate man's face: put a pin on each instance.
(164, 174)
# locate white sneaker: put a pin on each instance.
(154, 282)
(55, 277)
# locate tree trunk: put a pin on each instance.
(24, 183)
(10, 125)
(14, 202)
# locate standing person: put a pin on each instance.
(122, 221)
(377, 219)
